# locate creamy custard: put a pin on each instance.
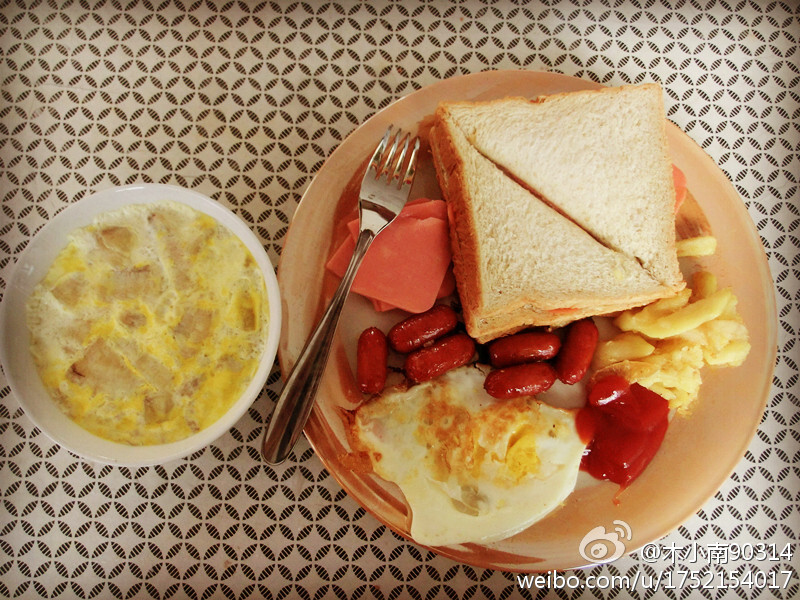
(149, 324)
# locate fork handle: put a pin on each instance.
(297, 398)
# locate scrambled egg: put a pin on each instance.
(149, 324)
(472, 468)
(664, 346)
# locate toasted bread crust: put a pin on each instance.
(449, 172)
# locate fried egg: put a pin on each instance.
(472, 468)
(149, 324)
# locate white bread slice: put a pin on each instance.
(518, 262)
(599, 157)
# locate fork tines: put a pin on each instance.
(384, 163)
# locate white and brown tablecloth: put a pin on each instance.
(243, 101)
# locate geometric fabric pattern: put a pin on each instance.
(243, 101)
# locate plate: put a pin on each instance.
(699, 452)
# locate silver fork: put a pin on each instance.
(385, 189)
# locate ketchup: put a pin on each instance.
(625, 423)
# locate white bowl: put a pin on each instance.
(34, 263)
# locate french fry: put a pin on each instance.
(634, 319)
(731, 355)
(704, 245)
(704, 284)
(665, 345)
(625, 346)
(687, 318)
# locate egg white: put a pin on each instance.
(472, 468)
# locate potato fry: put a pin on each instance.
(689, 317)
(631, 320)
(625, 346)
(732, 355)
(665, 345)
(704, 245)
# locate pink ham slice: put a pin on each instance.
(679, 181)
(408, 264)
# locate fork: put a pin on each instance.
(385, 189)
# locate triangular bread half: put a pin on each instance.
(593, 239)
(598, 156)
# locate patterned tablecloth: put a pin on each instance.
(243, 101)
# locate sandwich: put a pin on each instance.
(560, 207)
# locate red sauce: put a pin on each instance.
(624, 425)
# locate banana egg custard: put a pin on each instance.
(149, 324)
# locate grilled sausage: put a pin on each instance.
(520, 380)
(528, 346)
(577, 351)
(417, 330)
(445, 354)
(371, 361)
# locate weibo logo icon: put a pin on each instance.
(601, 546)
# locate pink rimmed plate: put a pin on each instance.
(699, 452)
